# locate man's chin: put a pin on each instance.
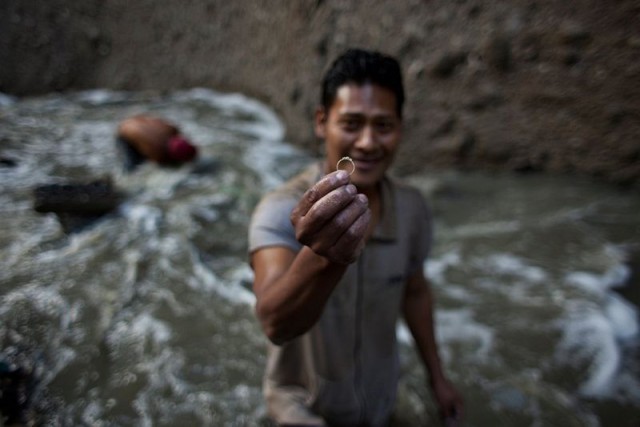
(365, 182)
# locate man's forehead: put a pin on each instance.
(355, 98)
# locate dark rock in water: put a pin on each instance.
(6, 161)
(15, 401)
(89, 199)
(76, 204)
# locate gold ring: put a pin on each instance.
(348, 159)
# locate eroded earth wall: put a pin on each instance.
(519, 85)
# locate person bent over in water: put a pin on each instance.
(338, 255)
(150, 138)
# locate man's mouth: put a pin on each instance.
(365, 164)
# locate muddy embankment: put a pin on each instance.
(520, 85)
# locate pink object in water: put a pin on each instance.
(180, 150)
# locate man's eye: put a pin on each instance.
(385, 127)
(350, 125)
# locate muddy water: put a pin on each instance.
(145, 316)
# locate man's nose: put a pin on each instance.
(367, 139)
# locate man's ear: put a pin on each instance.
(321, 122)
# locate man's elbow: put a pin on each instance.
(277, 330)
(274, 336)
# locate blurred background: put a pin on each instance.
(521, 85)
(522, 128)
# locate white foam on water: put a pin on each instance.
(504, 263)
(26, 240)
(204, 279)
(623, 317)
(588, 337)
(621, 314)
(596, 330)
(274, 162)
(7, 100)
(267, 126)
(436, 267)
(599, 284)
(457, 327)
(491, 228)
(56, 321)
(267, 154)
(134, 333)
(145, 325)
(145, 218)
(100, 96)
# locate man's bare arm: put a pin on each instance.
(418, 313)
(291, 289)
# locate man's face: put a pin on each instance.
(362, 123)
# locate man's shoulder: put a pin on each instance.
(298, 184)
(281, 200)
(270, 223)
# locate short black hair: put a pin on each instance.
(361, 66)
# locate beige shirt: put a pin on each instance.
(344, 370)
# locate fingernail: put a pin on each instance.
(351, 189)
(363, 199)
(342, 174)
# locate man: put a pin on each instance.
(150, 138)
(338, 257)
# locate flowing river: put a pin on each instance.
(145, 317)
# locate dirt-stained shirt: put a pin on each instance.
(344, 370)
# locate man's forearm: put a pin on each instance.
(292, 304)
(418, 312)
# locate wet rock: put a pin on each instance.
(464, 144)
(295, 94)
(487, 96)
(415, 70)
(633, 42)
(497, 53)
(530, 47)
(444, 127)
(574, 34)
(572, 57)
(616, 114)
(446, 64)
(15, 396)
(7, 162)
(93, 198)
(484, 100)
(457, 148)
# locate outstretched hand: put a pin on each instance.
(332, 218)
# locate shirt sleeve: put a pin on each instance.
(271, 224)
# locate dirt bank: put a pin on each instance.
(521, 85)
